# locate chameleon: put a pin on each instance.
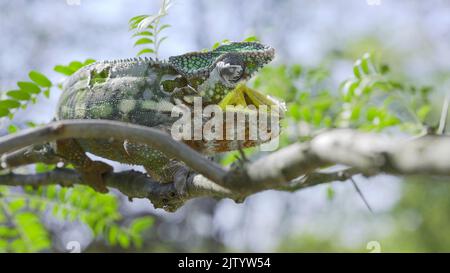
(144, 91)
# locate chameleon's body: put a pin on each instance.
(144, 92)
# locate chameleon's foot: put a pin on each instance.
(241, 159)
(93, 175)
(180, 180)
(172, 172)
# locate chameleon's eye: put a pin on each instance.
(231, 69)
(230, 73)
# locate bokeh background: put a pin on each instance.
(410, 214)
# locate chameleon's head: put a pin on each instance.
(217, 72)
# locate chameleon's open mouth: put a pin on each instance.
(245, 96)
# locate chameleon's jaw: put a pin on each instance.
(253, 128)
(245, 96)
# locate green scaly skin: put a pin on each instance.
(144, 91)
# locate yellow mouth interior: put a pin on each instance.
(245, 96)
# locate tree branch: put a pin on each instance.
(107, 129)
(131, 183)
(294, 167)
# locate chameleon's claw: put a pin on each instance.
(241, 159)
(180, 180)
(93, 175)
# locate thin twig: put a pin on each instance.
(361, 194)
(444, 115)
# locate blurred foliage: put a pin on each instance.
(72, 67)
(22, 227)
(369, 100)
(148, 29)
(26, 93)
(419, 223)
(22, 212)
(422, 217)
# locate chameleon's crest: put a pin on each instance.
(249, 56)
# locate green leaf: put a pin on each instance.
(330, 193)
(137, 18)
(6, 232)
(40, 79)
(41, 168)
(305, 113)
(216, 45)
(317, 117)
(423, 112)
(88, 61)
(137, 241)
(141, 224)
(65, 70)
(112, 235)
(19, 95)
(356, 69)
(62, 195)
(17, 204)
(8, 104)
(99, 227)
(142, 33)
(355, 113)
(18, 246)
(294, 111)
(296, 70)
(33, 232)
(12, 129)
(75, 65)
(365, 63)
(123, 239)
(29, 87)
(134, 22)
(372, 112)
(30, 124)
(251, 39)
(142, 41)
(163, 27)
(47, 93)
(4, 112)
(145, 50)
(384, 69)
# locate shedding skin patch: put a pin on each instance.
(99, 76)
